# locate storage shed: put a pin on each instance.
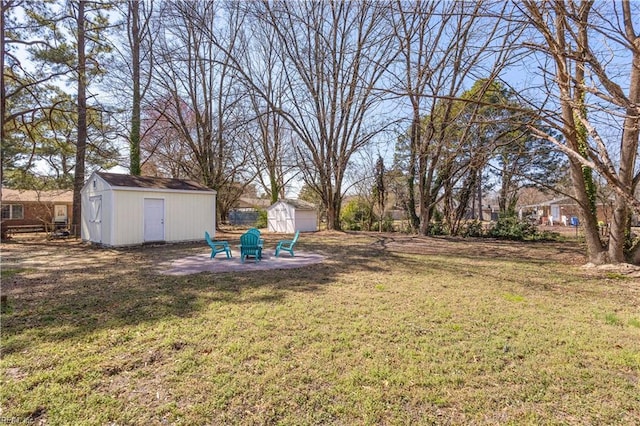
(122, 210)
(291, 215)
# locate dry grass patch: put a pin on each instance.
(389, 330)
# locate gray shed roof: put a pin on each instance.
(298, 204)
(151, 182)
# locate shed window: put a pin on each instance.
(12, 211)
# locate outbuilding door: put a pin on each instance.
(283, 220)
(153, 219)
(95, 219)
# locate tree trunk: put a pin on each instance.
(134, 138)
(333, 216)
(3, 98)
(596, 252)
(275, 188)
(78, 181)
(628, 154)
(424, 194)
(617, 230)
(410, 204)
(414, 154)
(480, 214)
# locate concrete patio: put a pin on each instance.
(220, 264)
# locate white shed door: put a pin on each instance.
(282, 218)
(153, 219)
(95, 219)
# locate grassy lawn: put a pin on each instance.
(389, 329)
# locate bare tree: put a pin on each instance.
(272, 142)
(335, 55)
(595, 51)
(442, 46)
(140, 44)
(130, 77)
(162, 147)
(196, 92)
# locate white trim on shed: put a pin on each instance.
(289, 216)
(123, 210)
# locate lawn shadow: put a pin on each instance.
(67, 289)
(553, 266)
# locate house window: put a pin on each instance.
(12, 211)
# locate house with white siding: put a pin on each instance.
(124, 210)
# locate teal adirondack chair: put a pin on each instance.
(250, 246)
(287, 245)
(217, 246)
(256, 231)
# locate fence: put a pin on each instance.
(243, 217)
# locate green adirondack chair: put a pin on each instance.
(250, 246)
(287, 245)
(217, 246)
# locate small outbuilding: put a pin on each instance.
(123, 210)
(290, 215)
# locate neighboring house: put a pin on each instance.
(561, 210)
(246, 211)
(289, 216)
(122, 210)
(35, 210)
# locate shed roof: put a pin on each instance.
(298, 204)
(29, 195)
(252, 203)
(151, 182)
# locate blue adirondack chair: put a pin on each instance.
(250, 246)
(287, 245)
(217, 246)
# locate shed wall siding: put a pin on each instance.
(107, 217)
(285, 218)
(103, 190)
(290, 225)
(186, 216)
(128, 217)
(189, 215)
(306, 221)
